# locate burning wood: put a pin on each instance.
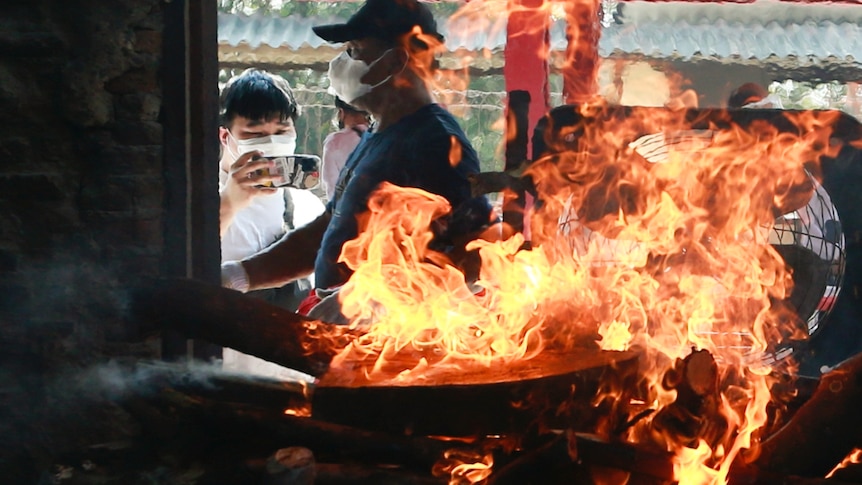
(466, 399)
(695, 413)
(824, 430)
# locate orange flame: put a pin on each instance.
(853, 457)
(676, 253)
(464, 467)
(416, 307)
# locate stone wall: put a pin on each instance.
(81, 195)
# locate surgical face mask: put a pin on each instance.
(345, 76)
(270, 145)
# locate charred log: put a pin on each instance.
(211, 382)
(823, 431)
(545, 465)
(646, 464)
(232, 319)
(249, 431)
(852, 473)
(695, 413)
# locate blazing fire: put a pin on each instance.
(662, 257)
(648, 236)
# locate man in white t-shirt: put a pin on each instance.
(258, 112)
(352, 124)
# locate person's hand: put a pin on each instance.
(234, 276)
(249, 177)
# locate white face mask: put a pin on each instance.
(345, 76)
(270, 145)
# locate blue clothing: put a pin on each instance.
(414, 152)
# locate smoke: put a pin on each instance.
(114, 381)
(73, 409)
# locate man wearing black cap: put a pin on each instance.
(384, 70)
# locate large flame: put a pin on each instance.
(676, 254)
(664, 252)
(417, 308)
(663, 257)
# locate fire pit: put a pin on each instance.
(655, 313)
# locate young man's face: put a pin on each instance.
(243, 129)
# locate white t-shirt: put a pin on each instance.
(336, 148)
(254, 227)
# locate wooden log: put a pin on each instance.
(824, 429)
(464, 402)
(695, 414)
(587, 453)
(211, 382)
(248, 431)
(593, 450)
(851, 472)
(760, 477)
(543, 465)
(231, 319)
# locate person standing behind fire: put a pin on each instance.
(352, 124)
(389, 55)
(258, 112)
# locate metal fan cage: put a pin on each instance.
(809, 239)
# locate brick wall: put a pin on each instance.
(81, 191)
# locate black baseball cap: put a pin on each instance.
(382, 19)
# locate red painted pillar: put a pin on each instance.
(580, 70)
(526, 54)
(526, 72)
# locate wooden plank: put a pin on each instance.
(176, 247)
(191, 153)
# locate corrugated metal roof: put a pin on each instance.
(810, 33)
(810, 41)
(256, 30)
(763, 30)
